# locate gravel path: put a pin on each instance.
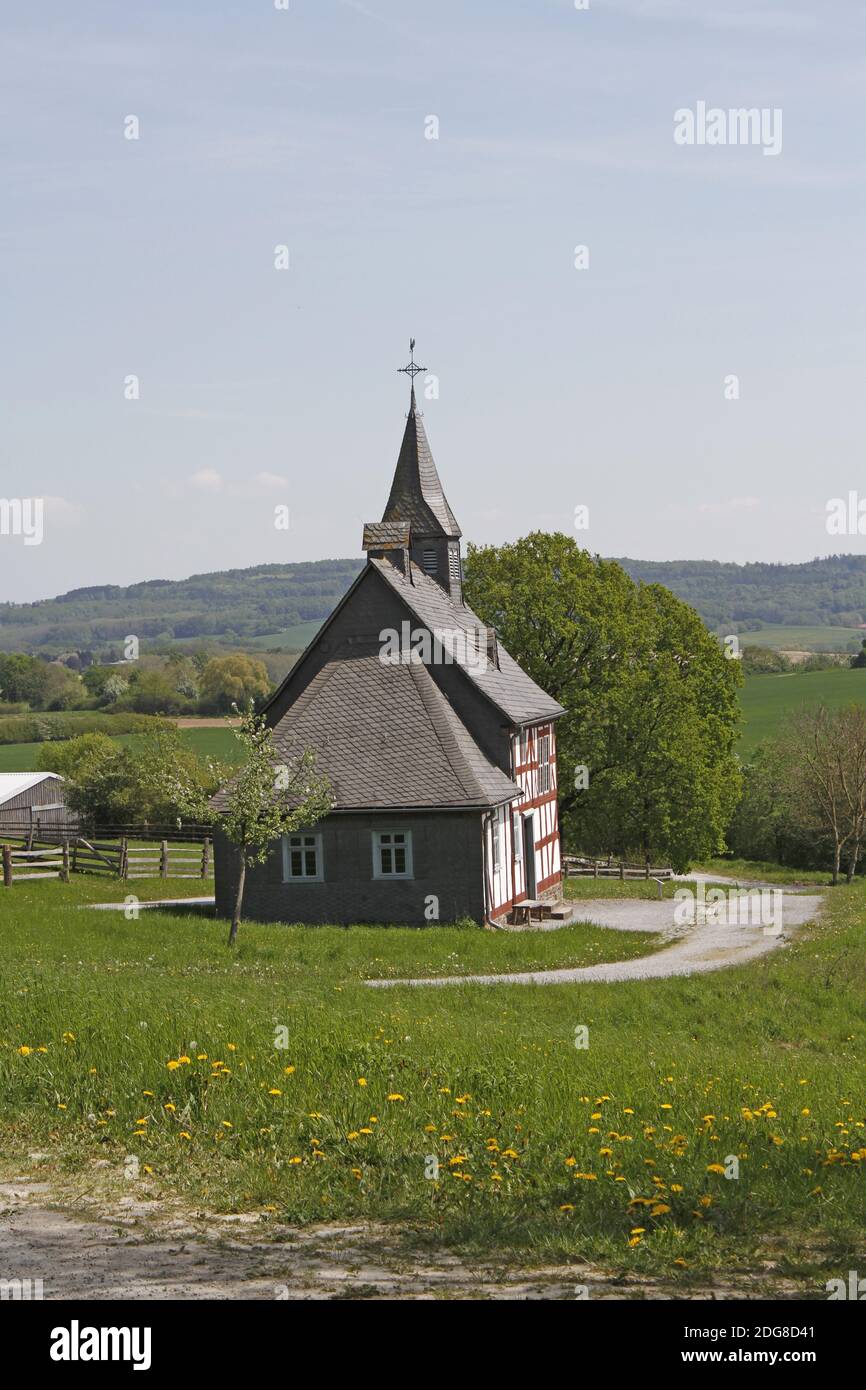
(102, 1247)
(709, 945)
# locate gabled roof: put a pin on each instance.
(386, 736)
(416, 492)
(507, 687)
(386, 535)
(14, 783)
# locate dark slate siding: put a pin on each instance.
(372, 607)
(446, 850)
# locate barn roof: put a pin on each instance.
(14, 783)
(416, 492)
(386, 736)
(507, 685)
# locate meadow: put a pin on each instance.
(766, 700)
(817, 637)
(273, 1081)
(219, 744)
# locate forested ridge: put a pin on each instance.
(237, 605)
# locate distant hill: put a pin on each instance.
(228, 608)
(738, 598)
(278, 606)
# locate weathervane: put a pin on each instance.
(413, 369)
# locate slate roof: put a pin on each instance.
(386, 535)
(386, 736)
(416, 492)
(509, 688)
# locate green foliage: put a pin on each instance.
(764, 661)
(42, 728)
(39, 684)
(77, 759)
(155, 781)
(229, 606)
(651, 700)
(738, 598)
(266, 799)
(233, 680)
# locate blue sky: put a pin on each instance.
(558, 387)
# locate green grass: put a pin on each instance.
(207, 743)
(766, 700)
(287, 639)
(815, 638)
(678, 1075)
(752, 869)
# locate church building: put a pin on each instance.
(440, 751)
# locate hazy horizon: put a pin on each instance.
(430, 173)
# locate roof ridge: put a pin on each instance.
(436, 704)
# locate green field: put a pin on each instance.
(819, 638)
(207, 743)
(767, 699)
(287, 639)
(545, 1151)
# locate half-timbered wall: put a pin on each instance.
(534, 763)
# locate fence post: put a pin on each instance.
(123, 861)
(647, 869)
(163, 859)
(64, 872)
(205, 856)
(7, 865)
(622, 871)
(595, 869)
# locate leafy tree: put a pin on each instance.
(152, 781)
(77, 759)
(266, 799)
(859, 661)
(22, 679)
(233, 680)
(650, 699)
(822, 755)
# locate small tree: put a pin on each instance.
(267, 798)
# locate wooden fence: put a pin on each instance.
(22, 865)
(573, 866)
(115, 859)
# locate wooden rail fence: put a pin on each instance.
(114, 858)
(573, 866)
(21, 865)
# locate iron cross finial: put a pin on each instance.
(413, 369)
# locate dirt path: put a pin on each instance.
(711, 944)
(127, 1249)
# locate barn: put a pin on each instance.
(31, 802)
(440, 750)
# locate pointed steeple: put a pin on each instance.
(416, 492)
(418, 527)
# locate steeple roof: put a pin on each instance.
(416, 492)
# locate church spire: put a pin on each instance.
(416, 492)
(417, 523)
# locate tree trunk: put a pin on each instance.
(239, 900)
(837, 855)
(852, 862)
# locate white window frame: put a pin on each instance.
(517, 836)
(496, 838)
(319, 875)
(545, 777)
(376, 841)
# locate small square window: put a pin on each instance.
(302, 859)
(392, 853)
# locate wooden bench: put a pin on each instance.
(523, 911)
